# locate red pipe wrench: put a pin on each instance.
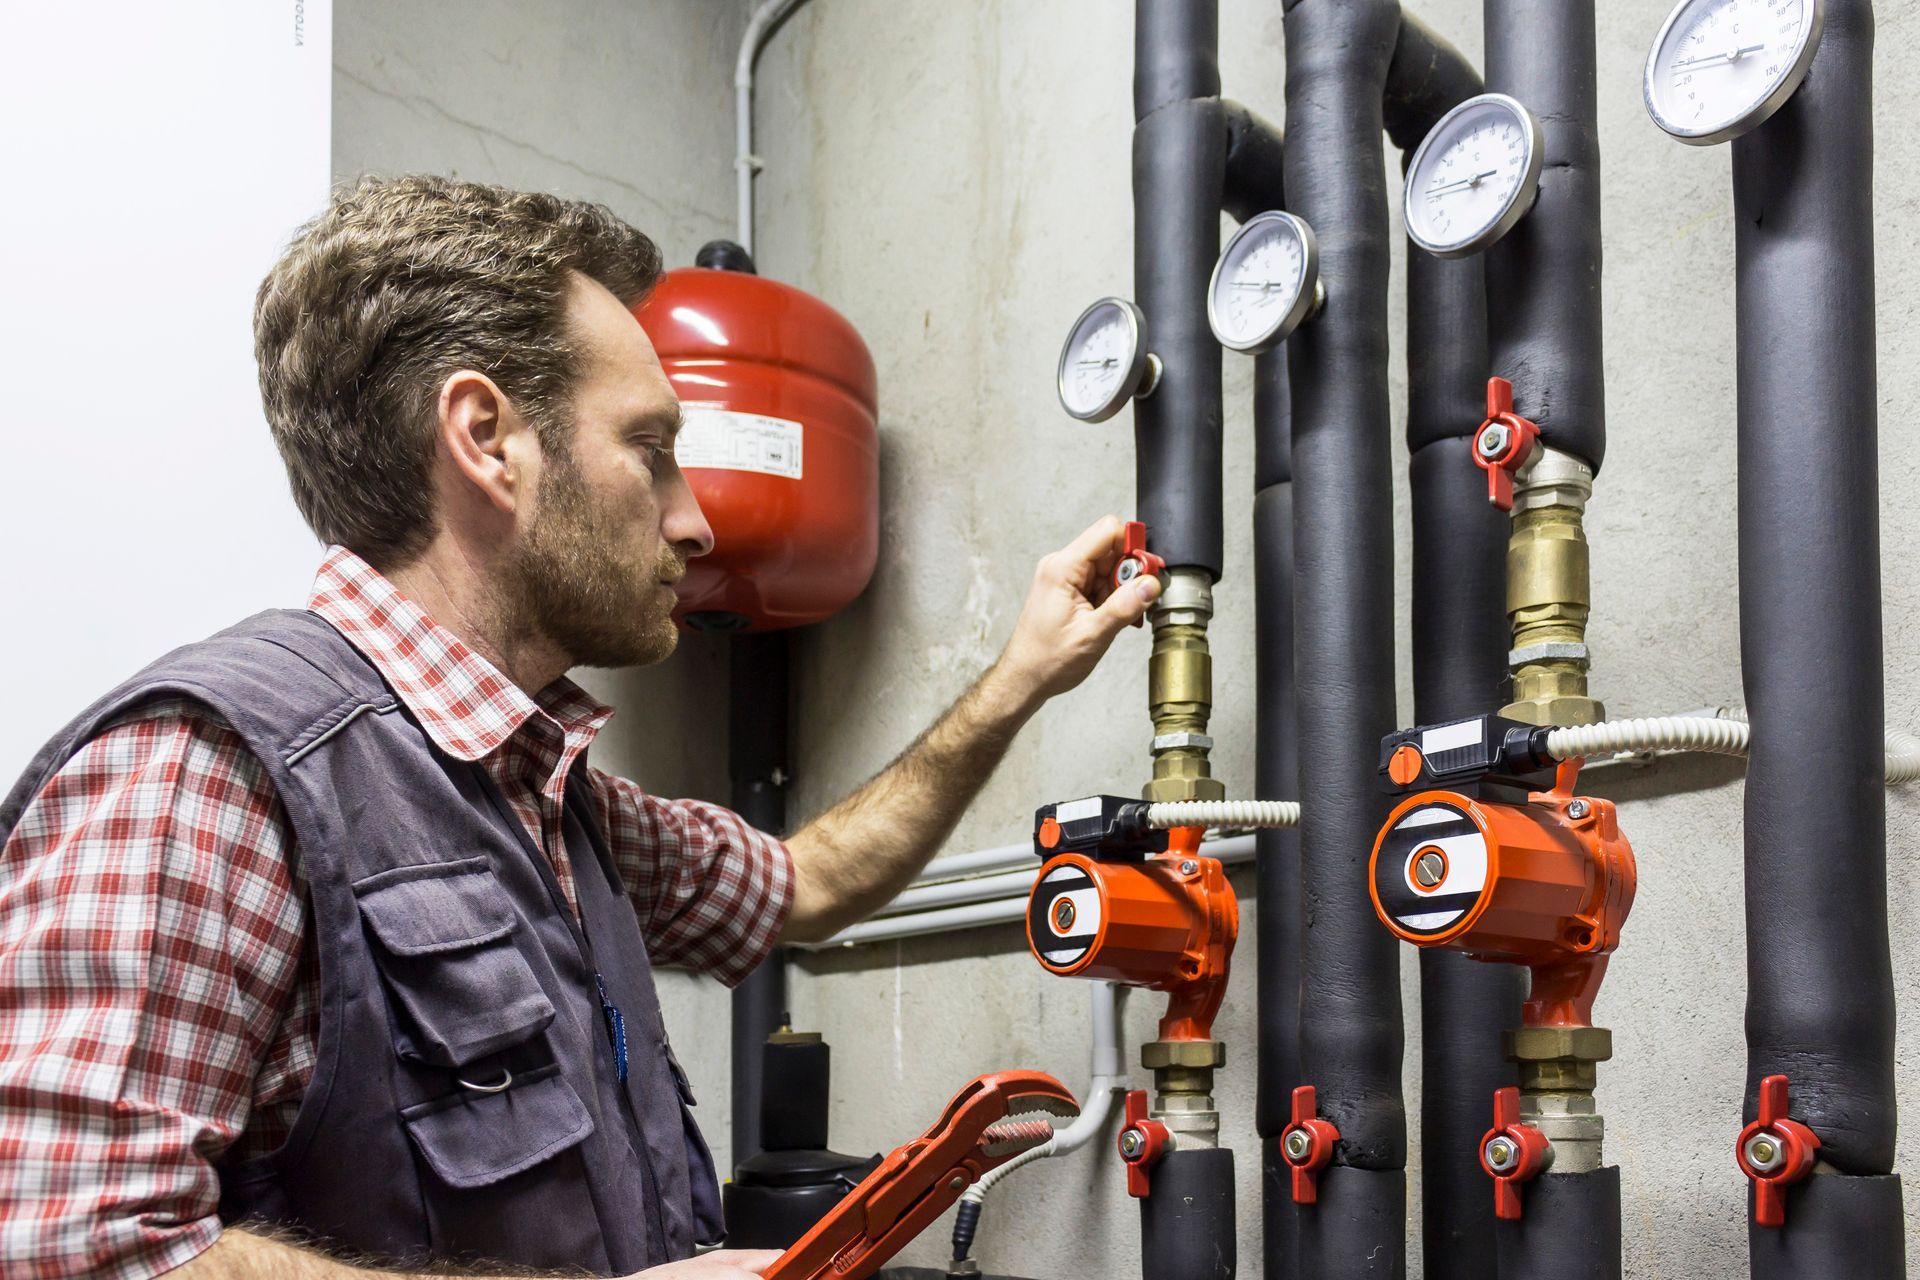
(917, 1183)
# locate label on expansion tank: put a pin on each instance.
(728, 440)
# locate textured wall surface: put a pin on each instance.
(955, 179)
(630, 105)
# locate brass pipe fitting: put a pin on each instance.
(1559, 1067)
(1548, 592)
(1183, 1089)
(1180, 690)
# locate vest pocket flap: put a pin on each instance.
(435, 906)
(477, 1139)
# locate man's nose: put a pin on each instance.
(682, 523)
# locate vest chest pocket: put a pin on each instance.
(444, 942)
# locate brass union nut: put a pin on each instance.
(1544, 1044)
(1156, 1055)
(1561, 710)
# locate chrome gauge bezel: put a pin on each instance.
(1812, 25)
(1135, 381)
(1308, 290)
(1518, 205)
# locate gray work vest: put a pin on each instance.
(493, 1079)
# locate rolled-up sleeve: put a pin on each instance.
(711, 891)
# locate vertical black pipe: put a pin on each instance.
(1543, 321)
(1351, 1039)
(757, 763)
(1279, 920)
(1186, 1225)
(1179, 162)
(1820, 1001)
(1543, 277)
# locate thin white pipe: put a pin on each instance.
(1224, 813)
(954, 892)
(953, 866)
(745, 163)
(1725, 734)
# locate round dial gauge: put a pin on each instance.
(1720, 67)
(1474, 176)
(1105, 362)
(1266, 282)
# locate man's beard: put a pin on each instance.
(573, 585)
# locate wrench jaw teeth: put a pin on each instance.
(1011, 1137)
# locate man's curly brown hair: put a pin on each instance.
(399, 284)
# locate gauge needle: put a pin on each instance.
(1264, 286)
(1097, 364)
(1472, 180)
(1725, 59)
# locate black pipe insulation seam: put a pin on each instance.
(1820, 996)
(1351, 1038)
(1179, 162)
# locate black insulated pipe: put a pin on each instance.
(1820, 999)
(1569, 1228)
(1279, 920)
(1351, 1039)
(1256, 166)
(1179, 164)
(757, 765)
(1543, 277)
(1186, 1224)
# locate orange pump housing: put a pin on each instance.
(1144, 924)
(781, 447)
(1529, 884)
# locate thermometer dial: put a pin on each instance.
(1475, 175)
(1719, 68)
(1266, 282)
(1105, 362)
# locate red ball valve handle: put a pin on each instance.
(1774, 1152)
(1135, 559)
(1307, 1144)
(1142, 1141)
(1503, 443)
(1512, 1153)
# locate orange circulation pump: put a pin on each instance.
(780, 445)
(1118, 901)
(1494, 855)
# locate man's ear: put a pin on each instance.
(484, 437)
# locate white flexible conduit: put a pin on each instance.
(1223, 813)
(1725, 734)
(745, 163)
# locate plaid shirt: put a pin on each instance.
(158, 999)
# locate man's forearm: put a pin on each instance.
(853, 859)
(245, 1255)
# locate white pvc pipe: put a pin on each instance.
(745, 163)
(952, 866)
(954, 892)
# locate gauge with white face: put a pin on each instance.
(1719, 68)
(1475, 175)
(1105, 362)
(1266, 282)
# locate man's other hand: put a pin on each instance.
(1073, 612)
(721, 1264)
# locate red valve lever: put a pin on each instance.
(1503, 443)
(1135, 559)
(1307, 1144)
(1142, 1141)
(1523, 1158)
(1774, 1152)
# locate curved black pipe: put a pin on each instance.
(1544, 275)
(1179, 164)
(1256, 165)
(1280, 922)
(1820, 1002)
(1186, 1225)
(1351, 1039)
(1427, 78)
(1569, 1228)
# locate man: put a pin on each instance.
(319, 940)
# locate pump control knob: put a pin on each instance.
(1503, 444)
(1135, 559)
(1774, 1152)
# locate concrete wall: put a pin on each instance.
(630, 104)
(955, 178)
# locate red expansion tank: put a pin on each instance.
(780, 446)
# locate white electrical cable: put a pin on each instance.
(1223, 813)
(1726, 734)
(745, 163)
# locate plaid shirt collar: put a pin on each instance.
(463, 701)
